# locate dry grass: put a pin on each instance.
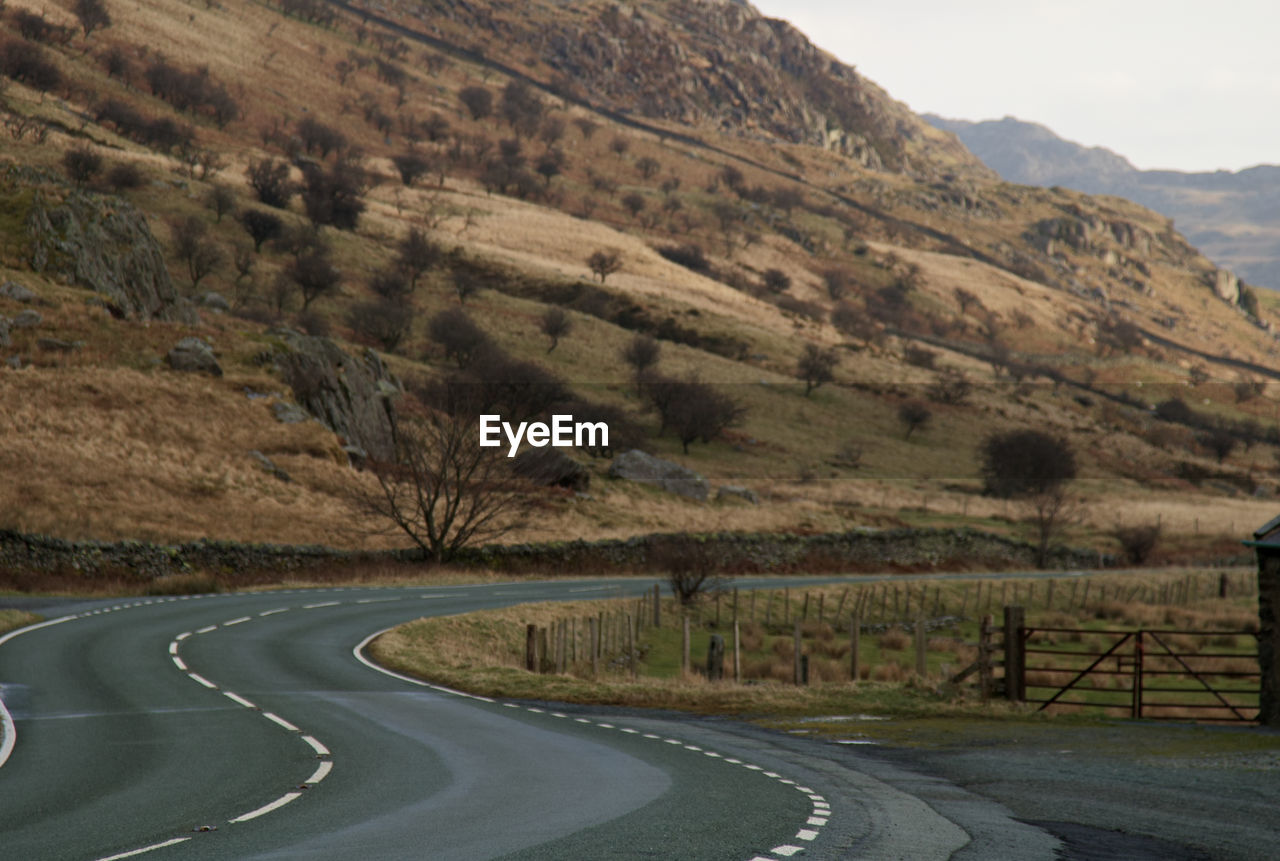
(13, 619)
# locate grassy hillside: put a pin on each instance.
(915, 265)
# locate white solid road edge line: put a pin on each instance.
(267, 808)
(8, 732)
(358, 651)
(174, 842)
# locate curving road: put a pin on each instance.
(250, 726)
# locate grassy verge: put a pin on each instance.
(484, 652)
(11, 619)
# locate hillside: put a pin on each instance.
(761, 198)
(1230, 215)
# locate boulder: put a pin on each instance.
(27, 319)
(635, 465)
(215, 302)
(290, 414)
(550, 467)
(104, 244)
(192, 354)
(733, 491)
(15, 291)
(351, 396)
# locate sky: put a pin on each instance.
(1178, 85)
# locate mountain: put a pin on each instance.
(238, 244)
(1232, 216)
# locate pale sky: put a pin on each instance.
(1181, 84)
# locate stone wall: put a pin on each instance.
(23, 557)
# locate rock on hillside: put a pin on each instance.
(94, 241)
(353, 397)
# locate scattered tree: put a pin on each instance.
(605, 262)
(384, 320)
(462, 340)
(555, 324)
(619, 145)
(816, 366)
(442, 490)
(82, 164)
(262, 226)
(92, 15)
(586, 126)
(641, 353)
(125, 175)
(1035, 467)
(914, 416)
(1220, 442)
(392, 284)
(416, 255)
(222, 200)
(269, 180)
(648, 166)
(633, 202)
(776, 281)
(1137, 542)
(477, 100)
(411, 167)
(194, 247)
(314, 274)
(1025, 462)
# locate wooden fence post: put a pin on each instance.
(1015, 659)
(531, 648)
(593, 644)
(986, 679)
(855, 641)
(798, 647)
(737, 654)
(545, 661)
(922, 659)
(684, 650)
(632, 657)
(657, 606)
(715, 658)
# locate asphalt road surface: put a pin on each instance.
(251, 726)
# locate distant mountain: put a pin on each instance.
(1233, 217)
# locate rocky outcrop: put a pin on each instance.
(17, 292)
(1227, 286)
(98, 242)
(635, 465)
(192, 354)
(351, 396)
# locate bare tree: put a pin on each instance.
(816, 366)
(443, 490)
(914, 416)
(604, 263)
(92, 15)
(193, 245)
(555, 324)
(641, 353)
